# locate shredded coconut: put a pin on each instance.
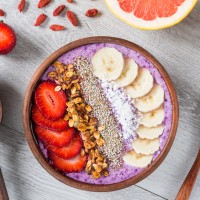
(123, 108)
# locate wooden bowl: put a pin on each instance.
(34, 144)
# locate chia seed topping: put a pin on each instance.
(94, 96)
(123, 109)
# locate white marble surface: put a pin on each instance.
(177, 48)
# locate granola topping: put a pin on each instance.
(79, 116)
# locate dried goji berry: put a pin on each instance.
(91, 13)
(56, 27)
(70, 1)
(41, 18)
(72, 18)
(43, 3)
(21, 5)
(58, 10)
(2, 13)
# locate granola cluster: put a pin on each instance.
(79, 116)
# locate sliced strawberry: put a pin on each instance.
(68, 151)
(40, 120)
(56, 138)
(52, 104)
(7, 38)
(75, 164)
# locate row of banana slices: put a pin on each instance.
(109, 64)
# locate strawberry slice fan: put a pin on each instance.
(151, 14)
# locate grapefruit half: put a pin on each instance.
(151, 14)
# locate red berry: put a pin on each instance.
(56, 138)
(2, 13)
(21, 5)
(70, 1)
(68, 151)
(7, 39)
(40, 120)
(41, 18)
(58, 10)
(75, 164)
(56, 27)
(72, 18)
(91, 13)
(52, 104)
(43, 3)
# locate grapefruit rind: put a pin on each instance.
(159, 23)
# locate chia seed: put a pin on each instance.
(93, 95)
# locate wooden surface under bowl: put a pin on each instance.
(34, 144)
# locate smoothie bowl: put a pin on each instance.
(100, 114)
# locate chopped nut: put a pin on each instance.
(70, 104)
(101, 128)
(92, 154)
(89, 145)
(78, 100)
(57, 64)
(99, 158)
(75, 95)
(89, 164)
(69, 74)
(104, 165)
(66, 118)
(88, 108)
(81, 127)
(106, 173)
(97, 168)
(73, 90)
(96, 135)
(71, 123)
(64, 86)
(78, 87)
(70, 66)
(100, 142)
(82, 152)
(96, 153)
(95, 174)
(86, 117)
(93, 121)
(75, 118)
(75, 81)
(52, 75)
(60, 80)
(60, 69)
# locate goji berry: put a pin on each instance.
(56, 27)
(58, 10)
(2, 13)
(70, 1)
(41, 18)
(91, 13)
(72, 18)
(43, 3)
(21, 5)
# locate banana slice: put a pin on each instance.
(107, 63)
(128, 74)
(153, 118)
(150, 133)
(137, 160)
(142, 84)
(152, 100)
(146, 147)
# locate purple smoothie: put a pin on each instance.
(126, 171)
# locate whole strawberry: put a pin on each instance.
(7, 38)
